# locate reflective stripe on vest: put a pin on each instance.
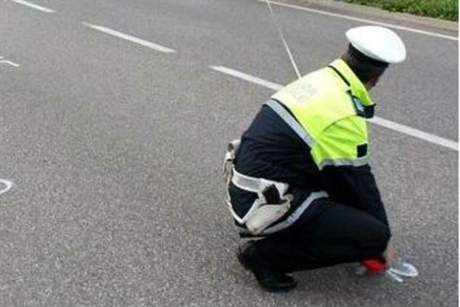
(323, 112)
(291, 121)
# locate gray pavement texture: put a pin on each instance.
(115, 153)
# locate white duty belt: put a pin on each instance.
(262, 213)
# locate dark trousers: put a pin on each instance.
(334, 234)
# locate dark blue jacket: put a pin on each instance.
(270, 149)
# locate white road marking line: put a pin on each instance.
(415, 133)
(8, 185)
(130, 38)
(9, 62)
(243, 76)
(389, 25)
(434, 139)
(35, 6)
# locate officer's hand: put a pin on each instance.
(389, 255)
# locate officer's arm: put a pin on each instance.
(341, 154)
(355, 186)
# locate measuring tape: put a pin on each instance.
(286, 46)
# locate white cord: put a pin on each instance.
(283, 39)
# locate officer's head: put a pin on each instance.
(366, 69)
(371, 50)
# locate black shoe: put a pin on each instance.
(267, 278)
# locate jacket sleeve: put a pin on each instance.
(341, 154)
(356, 187)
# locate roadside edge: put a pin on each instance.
(357, 10)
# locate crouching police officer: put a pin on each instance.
(299, 177)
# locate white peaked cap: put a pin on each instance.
(378, 43)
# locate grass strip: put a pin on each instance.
(444, 9)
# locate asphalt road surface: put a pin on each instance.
(113, 124)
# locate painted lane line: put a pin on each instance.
(246, 77)
(9, 62)
(434, 139)
(8, 185)
(130, 38)
(415, 133)
(368, 21)
(35, 6)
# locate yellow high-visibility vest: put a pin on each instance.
(328, 109)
